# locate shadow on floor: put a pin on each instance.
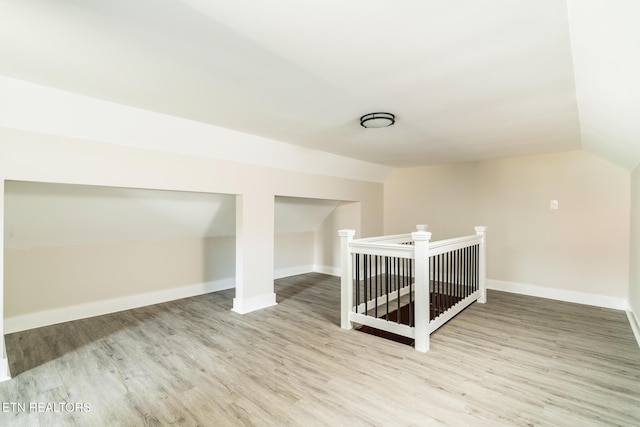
(317, 291)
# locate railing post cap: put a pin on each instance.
(421, 236)
(421, 227)
(480, 228)
(346, 233)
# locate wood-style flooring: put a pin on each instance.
(515, 361)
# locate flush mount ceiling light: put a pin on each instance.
(377, 120)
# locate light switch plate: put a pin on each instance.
(553, 204)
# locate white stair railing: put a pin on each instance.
(417, 284)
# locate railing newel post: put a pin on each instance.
(482, 263)
(421, 301)
(346, 282)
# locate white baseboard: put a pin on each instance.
(327, 269)
(604, 301)
(303, 269)
(635, 324)
(4, 370)
(5, 375)
(293, 271)
(247, 305)
(98, 308)
(82, 311)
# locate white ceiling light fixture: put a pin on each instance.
(377, 120)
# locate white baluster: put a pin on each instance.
(421, 301)
(346, 283)
(482, 267)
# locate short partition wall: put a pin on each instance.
(407, 285)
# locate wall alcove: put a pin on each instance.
(72, 251)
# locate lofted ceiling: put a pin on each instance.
(467, 79)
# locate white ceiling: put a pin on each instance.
(467, 79)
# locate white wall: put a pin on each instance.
(579, 252)
(52, 136)
(52, 159)
(296, 222)
(51, 279)
(634, 270)
(4, 362)
(45, 214)
(346, 215)
(74, 245)
(293, 253)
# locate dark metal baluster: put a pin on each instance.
(440, 294)
(470, 287)
(456, 254)
(399, 286)
(464, 272)
(432, 286)
(452, 275)
(376, 286)
(456, 273)
(443, 285)
(466, 257)
(394, 267)
(470, 270)
(475, 268)
(357, 256)
(435, 286)
(452, 289)
(450, 301)
(411, 305)
(364, 259)
(387, 284)
(436, 302)
(461, 273)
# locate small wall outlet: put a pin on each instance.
(553, 204)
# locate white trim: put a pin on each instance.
(383, 249)
(82, 311)
(604, 301)
(5, 375)
(635, 323)
(452, 312)
(383, 325)
(293, 271)
(247, 305)
(394, 239)
(382, 300)
(327, 269)
(304, 269)
(443, 246)
(4, 370)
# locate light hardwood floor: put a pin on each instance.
(515, 361)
